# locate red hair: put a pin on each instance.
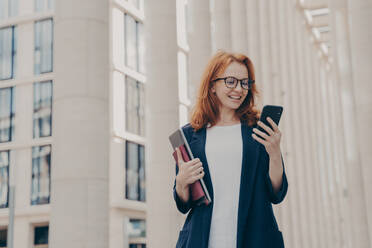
(206, 109)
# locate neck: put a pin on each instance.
(227, 116)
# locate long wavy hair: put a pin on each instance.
(206, 109)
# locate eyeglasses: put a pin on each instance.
(232, 82)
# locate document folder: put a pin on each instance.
(199, 192)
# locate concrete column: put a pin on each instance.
(337, 138)
(79, 188)
(319, 165)
(253, 40)
(199, 42)
(360, 19)
(239, 40)
(275, 52)
(305, 139)
(330, 163)
(307, 98)
(265, 52)
(161, 119)
(289, 206)
(297, 193)
(221, 25)
(313, 118)
(343, 33)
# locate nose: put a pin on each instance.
(238, 88)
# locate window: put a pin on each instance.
(3, 237)
(7, 52)
(137, 245)
(4, 178)
(41, 236)
(8, 8)
(43, 46)
(134, 44)
(136, 233)
(40, 182)
(43, 5)
(42, 109)
(135, 106)
(6, 114)
(135, 172)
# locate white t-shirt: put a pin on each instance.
(223, 149)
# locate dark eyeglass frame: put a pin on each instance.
(250, 82)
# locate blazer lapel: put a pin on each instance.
(248, 172)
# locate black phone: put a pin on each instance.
(272, 111)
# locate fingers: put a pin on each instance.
(197, 177)
(262, 134)
(266, 128)
(273, 124)
(196, 170)
(259, 140)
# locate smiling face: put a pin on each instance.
(231, 98)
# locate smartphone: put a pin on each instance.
(272, 111)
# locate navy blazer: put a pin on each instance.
(257, 226)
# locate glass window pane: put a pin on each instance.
(141, 174)
(3, 237)
(40, 182)
(135, 106)
(50, 4)
(132, 164)
(132, 105)
(3, 9)
(136, 228)
(44, 5)
(42, 116)
(7, 53)
(43, 46)
(39, 5)
(6, 114)
(4, 178)
(130, 42)
(141, 108)
(141, 49)
(135, 172)
(13, 8)
(8, 8)
(41, 235)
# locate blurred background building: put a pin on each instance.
(90, 91)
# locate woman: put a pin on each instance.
(242, 167)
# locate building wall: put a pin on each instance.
(113, 99)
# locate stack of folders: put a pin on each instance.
(199, 192)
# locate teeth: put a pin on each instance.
(235, 97)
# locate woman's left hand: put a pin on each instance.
(271, 141)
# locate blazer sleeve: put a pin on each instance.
(277, 197)
(181, 205)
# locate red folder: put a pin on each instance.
(199, 192)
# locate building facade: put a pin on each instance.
(91, 90)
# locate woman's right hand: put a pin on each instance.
(188, 172)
